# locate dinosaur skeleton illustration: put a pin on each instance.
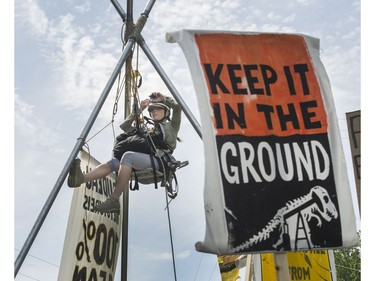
(316, 204)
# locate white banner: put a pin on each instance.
(275, 171)
(92, 239)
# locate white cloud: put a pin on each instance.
(289, 18)
(184, 254)
(306, 2)
(272, 16)
(32, 128)
(84, 7)
(81, 64)
(166, 255)
(31, 15)
(158, 256)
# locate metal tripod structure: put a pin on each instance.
(132, 36)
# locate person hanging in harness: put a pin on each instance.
(133, 150)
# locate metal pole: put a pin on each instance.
(170, 86)
(132, 32)
(80, 141)
(119, 10)
(125, 195)
(148, 8)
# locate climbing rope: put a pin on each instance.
(170, 236)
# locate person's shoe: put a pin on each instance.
(75, 178)
(110, 205)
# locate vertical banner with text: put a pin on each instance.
(92, 239)
(353, 120)
(275, 172)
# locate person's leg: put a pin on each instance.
(77, 177)
(112, 204)
(123, 178)
(101, 171)
(129, 161)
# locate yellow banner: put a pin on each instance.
(228, 269)
(309, 265)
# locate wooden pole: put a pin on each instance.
(281, 267)
(249, 269)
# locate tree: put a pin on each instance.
(348, 263)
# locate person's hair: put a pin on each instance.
(155, 95)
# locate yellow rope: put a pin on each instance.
(136, 79)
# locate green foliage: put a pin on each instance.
(348, 263)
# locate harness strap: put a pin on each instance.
(136, 183)
(167, 166)
(173, 193)
(154, 170)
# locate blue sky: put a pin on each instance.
(64, 53)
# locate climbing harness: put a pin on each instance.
(168, 165)
(167, 175)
